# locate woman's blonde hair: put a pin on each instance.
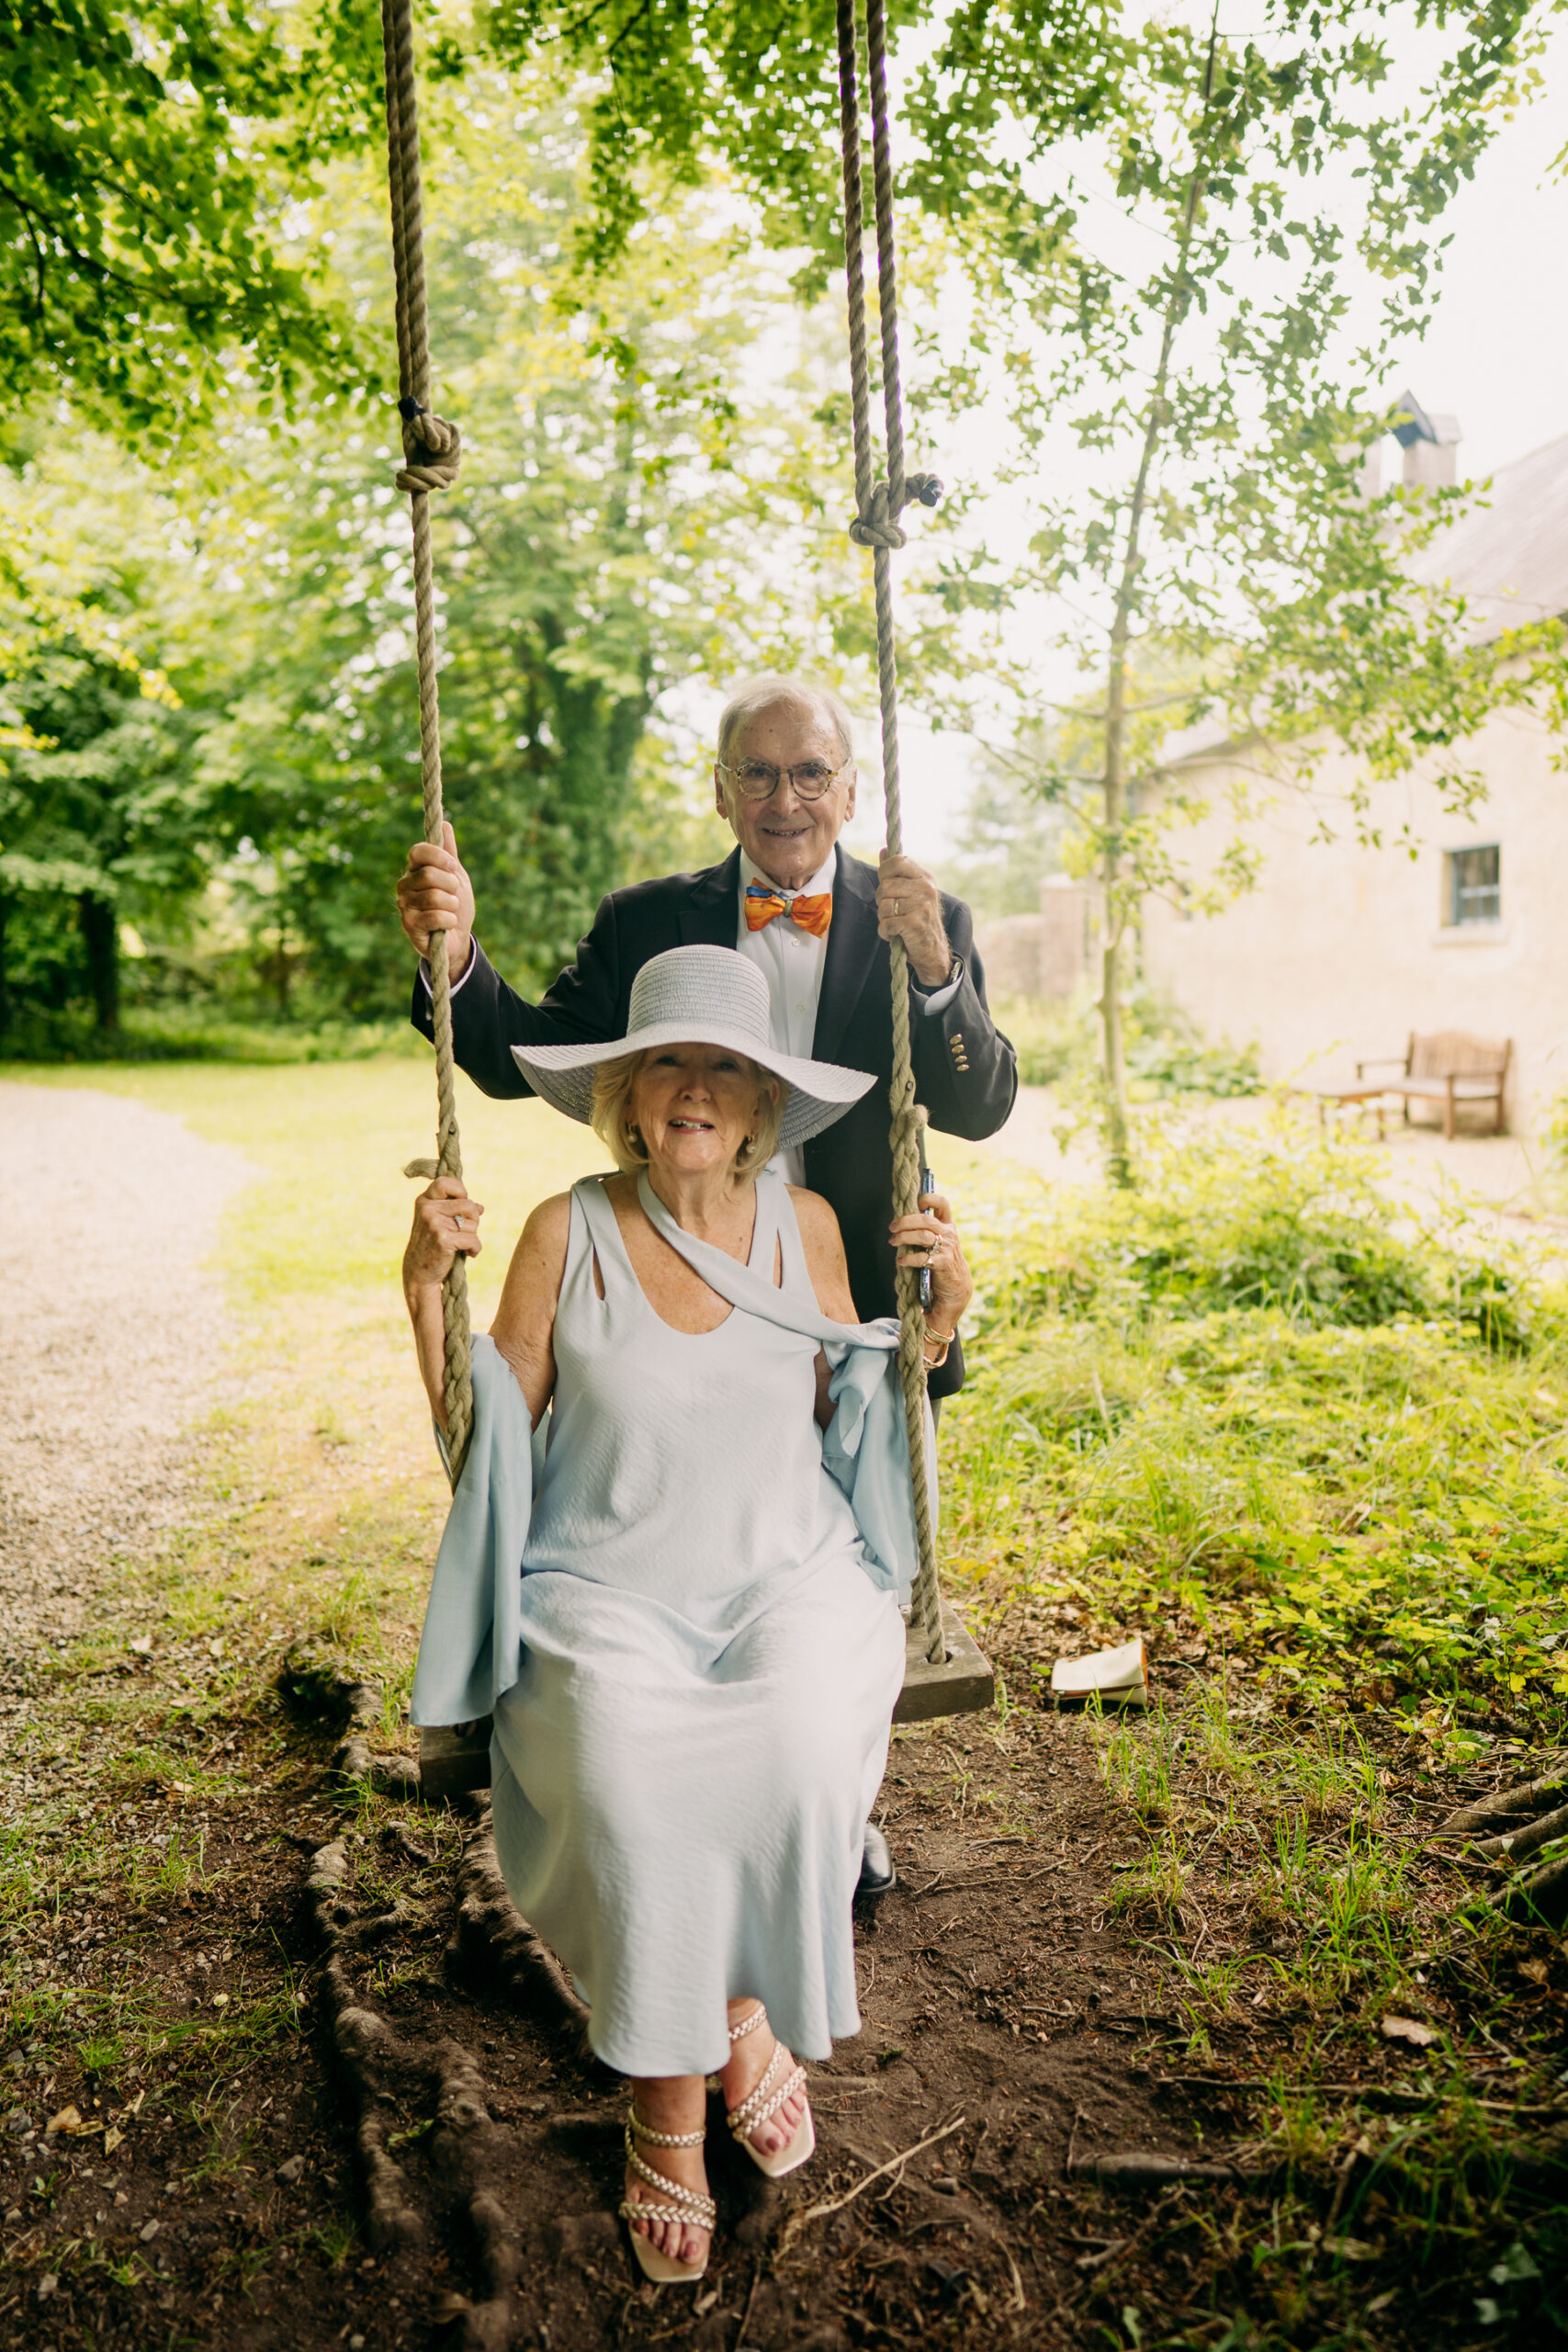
(617, 1131)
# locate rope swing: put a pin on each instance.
(878, 505)
(432, 451)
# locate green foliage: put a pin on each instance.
(146, 162)
(695, 85)
(640, 508)
(1167, 1056)
(1245, 1390)
(1274, 1218)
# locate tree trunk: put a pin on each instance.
(1113, 781)
(100, 940)
(1113, 803)
(5, 984)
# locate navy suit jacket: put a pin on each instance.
(966, 1071)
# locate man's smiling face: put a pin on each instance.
(788, 837)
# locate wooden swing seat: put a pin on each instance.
(455, 1758)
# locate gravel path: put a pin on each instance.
(110, 1334)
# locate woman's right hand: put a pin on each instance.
(928, 1240)
(445, 1226)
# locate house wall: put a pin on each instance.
(1042, 956)
(1343, 950)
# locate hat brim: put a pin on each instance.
(819, 1092)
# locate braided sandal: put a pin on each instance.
(686, 2206)
(765, 2101)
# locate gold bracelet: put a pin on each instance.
(945, 1339)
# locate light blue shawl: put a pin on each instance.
(471, 1647)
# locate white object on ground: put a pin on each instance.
(1120, 1676)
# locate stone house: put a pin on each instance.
(1457, 921)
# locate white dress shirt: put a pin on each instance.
(791, 961)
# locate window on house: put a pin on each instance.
(1474, 886)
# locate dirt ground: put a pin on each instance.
(286, 2070)
(409, 2146)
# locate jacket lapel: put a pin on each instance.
(709, 914)
(851, 954)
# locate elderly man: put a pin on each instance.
(815, 920)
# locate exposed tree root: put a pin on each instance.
(1529, 1798)
(1540, 1894)
(1518, 1843)
(1138, 2168)
(354, 1759)
(493, 1941)
(370, 2056)
(467, 2151)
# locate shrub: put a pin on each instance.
(1167, 1056)
(1247, 1392)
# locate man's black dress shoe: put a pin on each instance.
(876, 1872)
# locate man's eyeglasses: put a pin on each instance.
(759, 779)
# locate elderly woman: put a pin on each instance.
(693, 1677)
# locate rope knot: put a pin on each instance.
(877, 528)
(433, 449)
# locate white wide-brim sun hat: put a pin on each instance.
(699, 996)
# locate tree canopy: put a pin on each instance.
(148, 163)
(634, 228)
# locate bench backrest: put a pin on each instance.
(1450, 1053)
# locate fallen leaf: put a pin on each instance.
(1350, 2249)
(1535, 1970)
(449, 2307)
(1409, 2030)
(112, 2140)
(68, 2120)
(221, 2000)
(141, 1647)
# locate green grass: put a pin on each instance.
(1242, 1392)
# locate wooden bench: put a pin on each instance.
(1450, 1068)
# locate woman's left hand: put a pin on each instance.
(932, 1239)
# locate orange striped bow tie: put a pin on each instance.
(812, 915)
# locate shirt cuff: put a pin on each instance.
(468, 969)
(937, 1001)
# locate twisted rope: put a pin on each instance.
(878, 506)
(431, 453)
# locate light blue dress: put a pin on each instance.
(692, 1699)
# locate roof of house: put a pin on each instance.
(1508, 555)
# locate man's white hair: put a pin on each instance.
(758, 695)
